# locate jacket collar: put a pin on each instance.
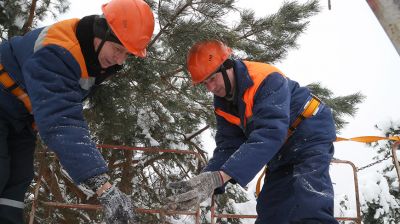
(243, 80)
(85, 36)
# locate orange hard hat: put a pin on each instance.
(206, 57)
(132, 21)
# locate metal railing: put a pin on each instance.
(356, 219)
(395, 160)
(163, 212)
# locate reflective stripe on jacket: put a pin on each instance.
(267, 103)
(63, 34)
(258, 73)
(48, 63)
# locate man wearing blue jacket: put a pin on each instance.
(44, 77)
(263, 118)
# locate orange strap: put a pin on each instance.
(258, 186)
(310, 109)
(10, 85)
(368, 139)
(363, 139)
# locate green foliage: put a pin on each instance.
(342, 105)
(152, 102)
(385, 208)
(159, 87)
(19, 17)
(269, 38)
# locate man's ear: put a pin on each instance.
(96, 42)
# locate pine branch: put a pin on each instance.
(170, 23)
(28, 23)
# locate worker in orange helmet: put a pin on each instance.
(44, 77)
(263, 118)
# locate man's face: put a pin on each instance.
(111, 53)
(215, 83)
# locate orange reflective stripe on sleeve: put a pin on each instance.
(229, 117)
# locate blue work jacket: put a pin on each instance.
(242, 150)
(49, 64)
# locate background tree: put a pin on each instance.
(19, 17)
(153, 103)
(382, 203)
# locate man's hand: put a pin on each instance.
(194, 191)
(118, 207)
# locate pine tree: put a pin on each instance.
(384, 208)
(153, 103)
(342, 105)
(19, 17)
(154, 97)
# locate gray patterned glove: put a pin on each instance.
(194, 191)
(118, 207)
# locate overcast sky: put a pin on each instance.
(346, 50)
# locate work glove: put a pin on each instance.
(193, 191)
(118, 207)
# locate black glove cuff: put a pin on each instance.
(96, 182)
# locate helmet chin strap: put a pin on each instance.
(103, 40)
(227, 82)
